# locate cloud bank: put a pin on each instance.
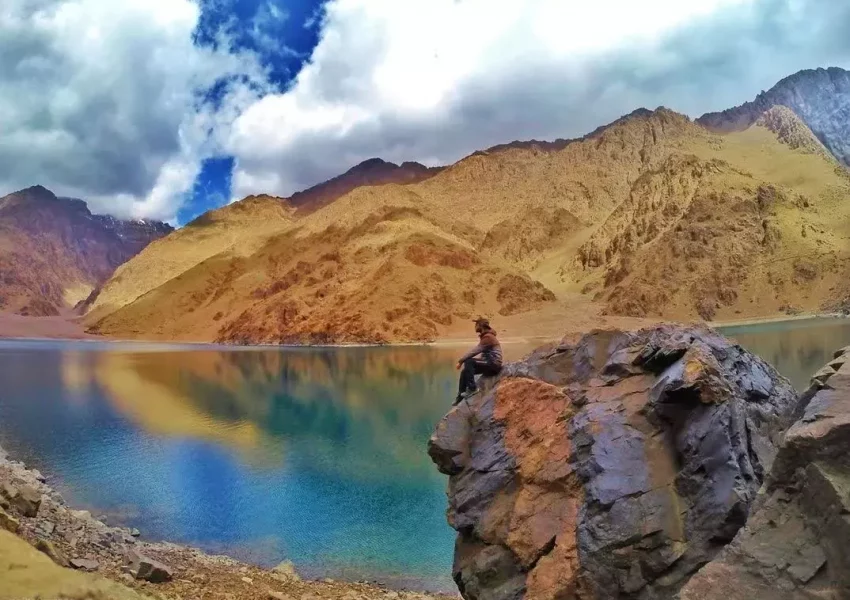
(104, 100)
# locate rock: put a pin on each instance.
(8, 522)
(38, 476)
(135, 532)
(45, 528)
(278, 596)
(83, 515)
(287, 569)
(248, 580)
(611, 467)
(85, 564)
(796, 543)
(148, 569)
(25, 499)
(823, 375)
(50, 550)
(126, 578)
(28, 501)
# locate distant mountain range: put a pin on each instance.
(738, 214)
(54, 251)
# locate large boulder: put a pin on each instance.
(143, 567)
(796, 543)
(611, 467)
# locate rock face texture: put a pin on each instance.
(54, 251)
(614, 466)
(821, 97)
(796, 543)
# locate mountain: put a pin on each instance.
(236, 229)
(820, 97)
(54, 251)
(370, 172)
(651, 216)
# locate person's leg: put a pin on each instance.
(467, 376)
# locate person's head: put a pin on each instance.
(481, 325)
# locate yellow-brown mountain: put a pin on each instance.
(652, 216)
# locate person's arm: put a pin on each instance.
(472, 353)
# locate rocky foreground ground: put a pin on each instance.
(59, 552)
(662, 464)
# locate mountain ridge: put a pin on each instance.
(54, 250)
(820, 97)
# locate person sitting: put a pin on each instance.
(489, 364)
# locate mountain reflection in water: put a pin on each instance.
(317, 455)
(313, 455)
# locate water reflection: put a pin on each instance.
(796, 348)
(315, 455)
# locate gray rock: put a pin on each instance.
(25, 499)
(612, 468)
(85, 564)
(796, 542)
(148, 569)
(135, 532)
(45, 528)
(8, 522)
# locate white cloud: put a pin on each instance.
(433, 80)
(98, 99)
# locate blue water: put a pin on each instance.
(311, 455)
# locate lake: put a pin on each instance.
(312, 455)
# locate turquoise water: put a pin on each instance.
(312, 455)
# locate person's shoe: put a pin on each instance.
(461, 397)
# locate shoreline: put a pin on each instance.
(446, 342)
(75, 535)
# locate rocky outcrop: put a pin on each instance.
(821, 97)
(796, 543)
(614, 466)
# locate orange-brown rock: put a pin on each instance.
(612, 467)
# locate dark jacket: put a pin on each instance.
(488, 347)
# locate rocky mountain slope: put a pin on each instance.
(820, 97)
(54, 251)
(618, 464)
(747, 223)
(237, 230)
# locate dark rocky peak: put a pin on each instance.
(374, 171)
(820, 97)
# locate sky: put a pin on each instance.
(163, 109)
